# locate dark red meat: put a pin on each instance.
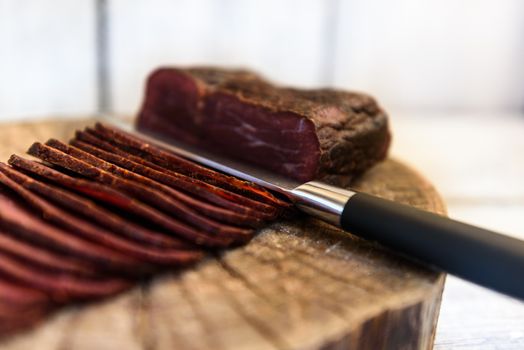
(16, 218)
(222, 235)
(60, 287)
(92, 211)
(20, 306)
(303, 134)
(82, 227)
(106, 209)
(119, 200)
(162, 180)
(26, 251)
(171, 161)
(220, 198)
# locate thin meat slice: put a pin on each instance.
(143, 188)
(199, 188)
(60, 287)
(21, 306)
(159, 179)
(24, 250)
(13, 294)
(18, 321)
(248, 218)
(16, 218)
(115, 198)
(153, 197)
(100, 235)
(177, 163)
(182, 198)
(16, 317)
(20, 314)
(94, 212)
(104, 194)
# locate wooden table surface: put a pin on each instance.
(477, 163)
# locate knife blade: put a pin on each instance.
(481, 256)
(214, 160)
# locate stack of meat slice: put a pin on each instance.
(106, 210)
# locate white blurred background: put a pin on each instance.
(450, 72)
(63, 57)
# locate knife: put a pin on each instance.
(481, 256)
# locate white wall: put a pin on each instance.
(419, 55)
(446, 54)
(47, 61)
(284, 39)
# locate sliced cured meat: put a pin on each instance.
(16, 317)
(47, 259)
(16, 218)
(134, 188)
(207, 191)
(100, 235)
(174, 162)
(14, 294)
(95, 213)
(118, 199)
(61, 287)
(243, 217)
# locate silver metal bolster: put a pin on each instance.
(321, 200)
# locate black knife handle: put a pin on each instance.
(487, 258)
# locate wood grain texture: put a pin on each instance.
(299, 284)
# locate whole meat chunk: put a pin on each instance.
(303, 134)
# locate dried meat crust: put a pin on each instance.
(171, 161)
(247, 216)
(250, 209)
(188, 229)
(304, 134)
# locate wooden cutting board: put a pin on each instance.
(299, 284)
